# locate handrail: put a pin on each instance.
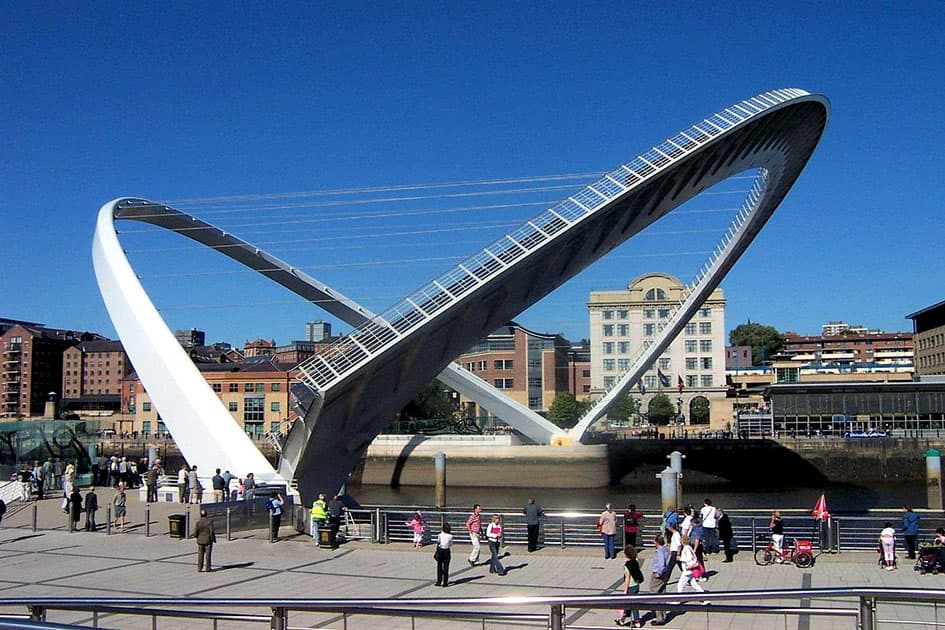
(496, 608)
(342, 357)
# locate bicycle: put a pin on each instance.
(798, 552)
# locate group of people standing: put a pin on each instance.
(331, 513)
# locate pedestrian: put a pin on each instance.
(473, 526)
(632, 521)
(494, 535)
(726, 534)
(3, 509)
(910, 530)
(444, 541)
(91, 507)
(675, 546)
(205, 535)
(123, 476)
(219, 486)
(607, 526)
(249, 487)
(25, 477)
(183, 476)
(416, 526)
(533, 514)
(227, 478)
(150, 483)
(776, 527)
(710, 523)
(120, 501)
(660, 569)
(319, 516)
(690, 568)
(632, 579)
(887, 542)
(274, 506)
(38, 480)
(75, 508)
(698, 546)
(68, 477)
(193, 481)
(336, 511)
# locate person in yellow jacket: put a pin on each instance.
(319, 516)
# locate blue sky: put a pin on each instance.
(189, 102)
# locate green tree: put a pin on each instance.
(623, 410)
(565, 410)
(764, 340)
(661, 409)
(433, 402)
(699, 410)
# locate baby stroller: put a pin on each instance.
(930, 559)
(882, 558)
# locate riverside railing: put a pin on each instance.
(579, 529)
(865, 608)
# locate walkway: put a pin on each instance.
(55, 562)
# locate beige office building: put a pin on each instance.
(624, 322)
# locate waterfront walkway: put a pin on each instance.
(56, 563)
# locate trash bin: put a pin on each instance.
(177, 525)
(324, 537)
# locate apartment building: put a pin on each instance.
(255, 391)
(92, 374)
(851, 348)
(527, 366)
(32, 366)
(928, 327)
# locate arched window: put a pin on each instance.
(654, 295)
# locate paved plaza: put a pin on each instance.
(55, 562)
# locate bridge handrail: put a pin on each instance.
(497, 608)
(339, 358)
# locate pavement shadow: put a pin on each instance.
(514, 567)
(465, 580)
(235, 565)
(19, 539)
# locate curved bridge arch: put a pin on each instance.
(367, 375)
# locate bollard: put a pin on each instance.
(187, 524)
(439, 467)
(933, 477)
(669, 482)
(867, 616)
(377, 526)
(279, 619)
(271, 537)
(675, 463)
(229, 532)
(108, 520)
(35, 521)
(147, 520)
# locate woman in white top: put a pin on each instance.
(442, 555)
(494, 534)
(887, 540)
(688, 562)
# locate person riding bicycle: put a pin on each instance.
(777, 533)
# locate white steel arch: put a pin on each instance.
(369, 374)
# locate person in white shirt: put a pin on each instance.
(690, 568)
(442, 555)
(887, 540)
(685, 527)
(710, 524)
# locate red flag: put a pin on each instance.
(820, 512)
(679, 383)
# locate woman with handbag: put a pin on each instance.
(442, 555)
(632, 579)
(691, 569)
(494, 534)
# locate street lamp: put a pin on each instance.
(679, 420)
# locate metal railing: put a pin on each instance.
(860, 605)
(346, 354)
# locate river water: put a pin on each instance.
(848, 499)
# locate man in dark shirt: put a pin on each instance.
(91, 506)
(533, 514)
(335, 511)
(219, 485)
(205, 535)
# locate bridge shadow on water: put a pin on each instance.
(747, 463)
